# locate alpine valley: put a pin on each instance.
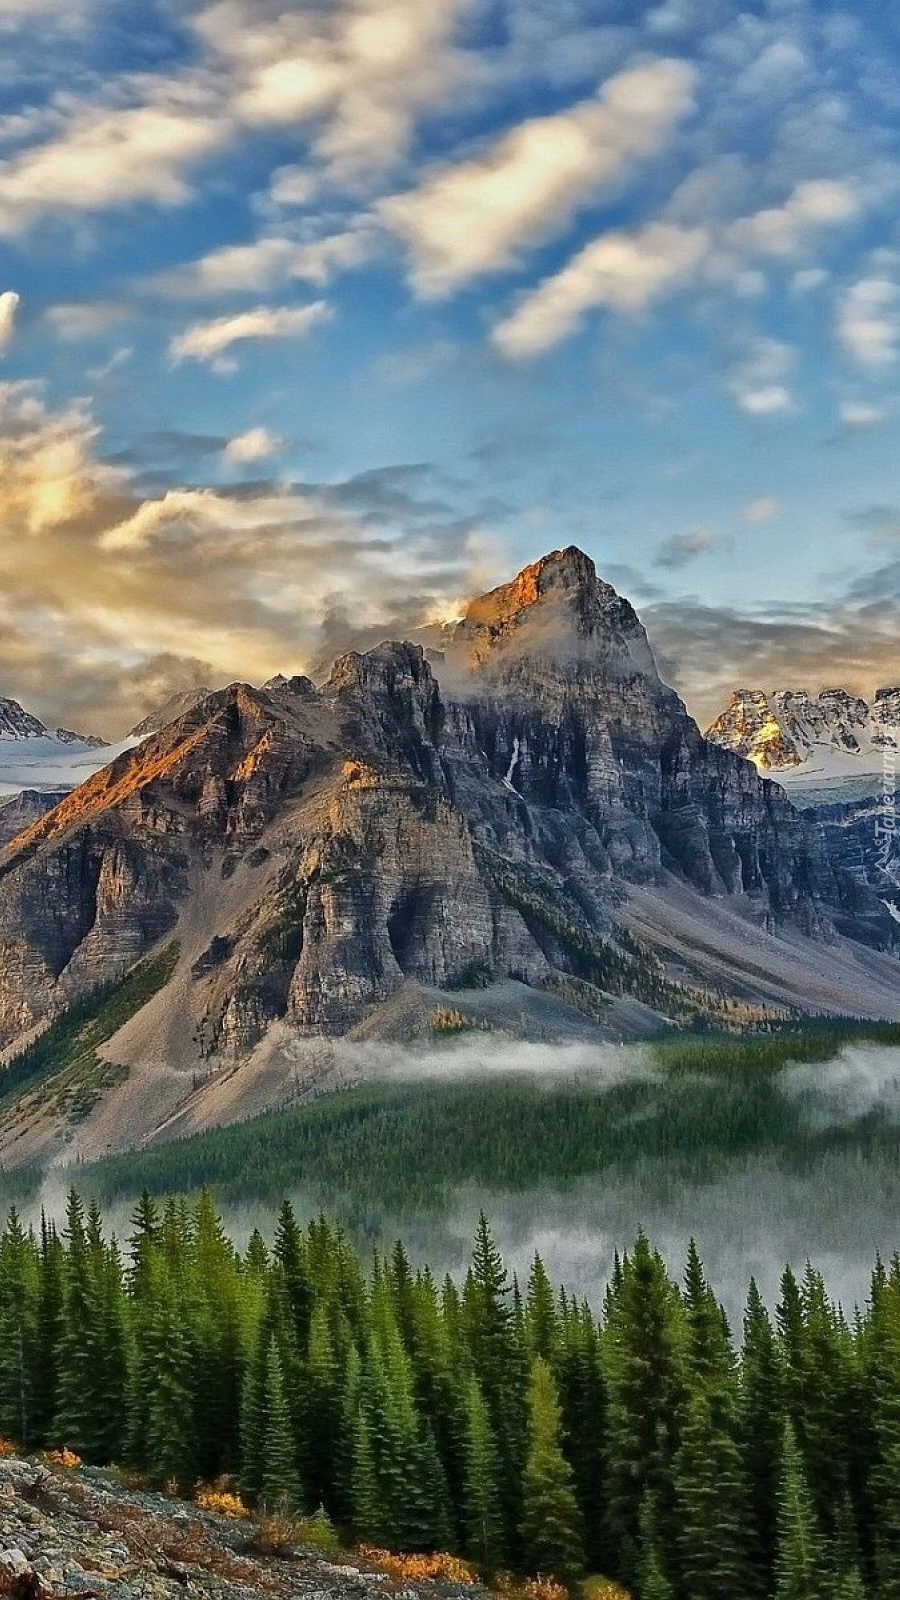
(508, 823)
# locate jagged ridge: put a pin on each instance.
(457, 813)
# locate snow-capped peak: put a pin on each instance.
(797, 734)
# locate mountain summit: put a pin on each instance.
(520, 800)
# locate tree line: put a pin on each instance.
(512, 1424)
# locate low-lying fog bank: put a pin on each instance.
(835, 1201)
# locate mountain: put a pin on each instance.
(177, 704)
(41, 759)
(834, 734)
(515, 807)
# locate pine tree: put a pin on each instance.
(801, 1567)
(19, 1353)
(643, 1343)
(582, 1394)
(760, 1430)
(499, 1362)
(482, 1508)
(280, 1485)
(551, 1523)
(90, 1395)
(48, 1332)
(653, 1583)
(540, 1313)
(710, 1488)
(712, 1508)
(171, 1438)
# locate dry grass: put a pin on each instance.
(437, 1567)
(222, 1501)
(61, 1458)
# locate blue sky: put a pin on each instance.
(316, 318)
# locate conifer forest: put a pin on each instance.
(638, 1437)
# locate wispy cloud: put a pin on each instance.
(758, 382)
(684, 548)
(477, 216)
(208, 341)
(629, 270)
(868, 322)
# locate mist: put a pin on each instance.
(834, 1200)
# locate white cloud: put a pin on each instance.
(861, 414)
(868, 322)
(270, 261)
(762, 508)
(783, 230)
(477, 216)
(254, 445)
(206, 341)
(758, 382)
(628, 270)
(362, 71)
(9, 306)
(108, 156)
(624, 271)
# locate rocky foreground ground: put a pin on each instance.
(82, 1533)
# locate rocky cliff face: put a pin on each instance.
(454, 812)
(791, 731)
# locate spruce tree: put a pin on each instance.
(643, 1348)
(551, 1523)
(802, 1568)
(761, 1423)
(280, 1480)
(653, 1582)
(482, 1507)
(19, 1352)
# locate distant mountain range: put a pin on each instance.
(796, 735)
(510, 820)
(40, 759)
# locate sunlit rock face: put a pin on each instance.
(790, 729)
(453, 811)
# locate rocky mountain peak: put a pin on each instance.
(556, 609)
(792, 730)
(17, 723)
(567, 574)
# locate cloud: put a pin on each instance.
(629, 270)
(623, 271)
(74, 320)
(880, 523)
(9, 306)
(783, 230)
(704, 650)
(270, 261)
(762, 508)
(257, 444)
(360, 72)
(859, 415)
(101, 581)
(477, 216)
(868, 322)
(107, 156)
(758, 381)
(207, 341)
(683, 548)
